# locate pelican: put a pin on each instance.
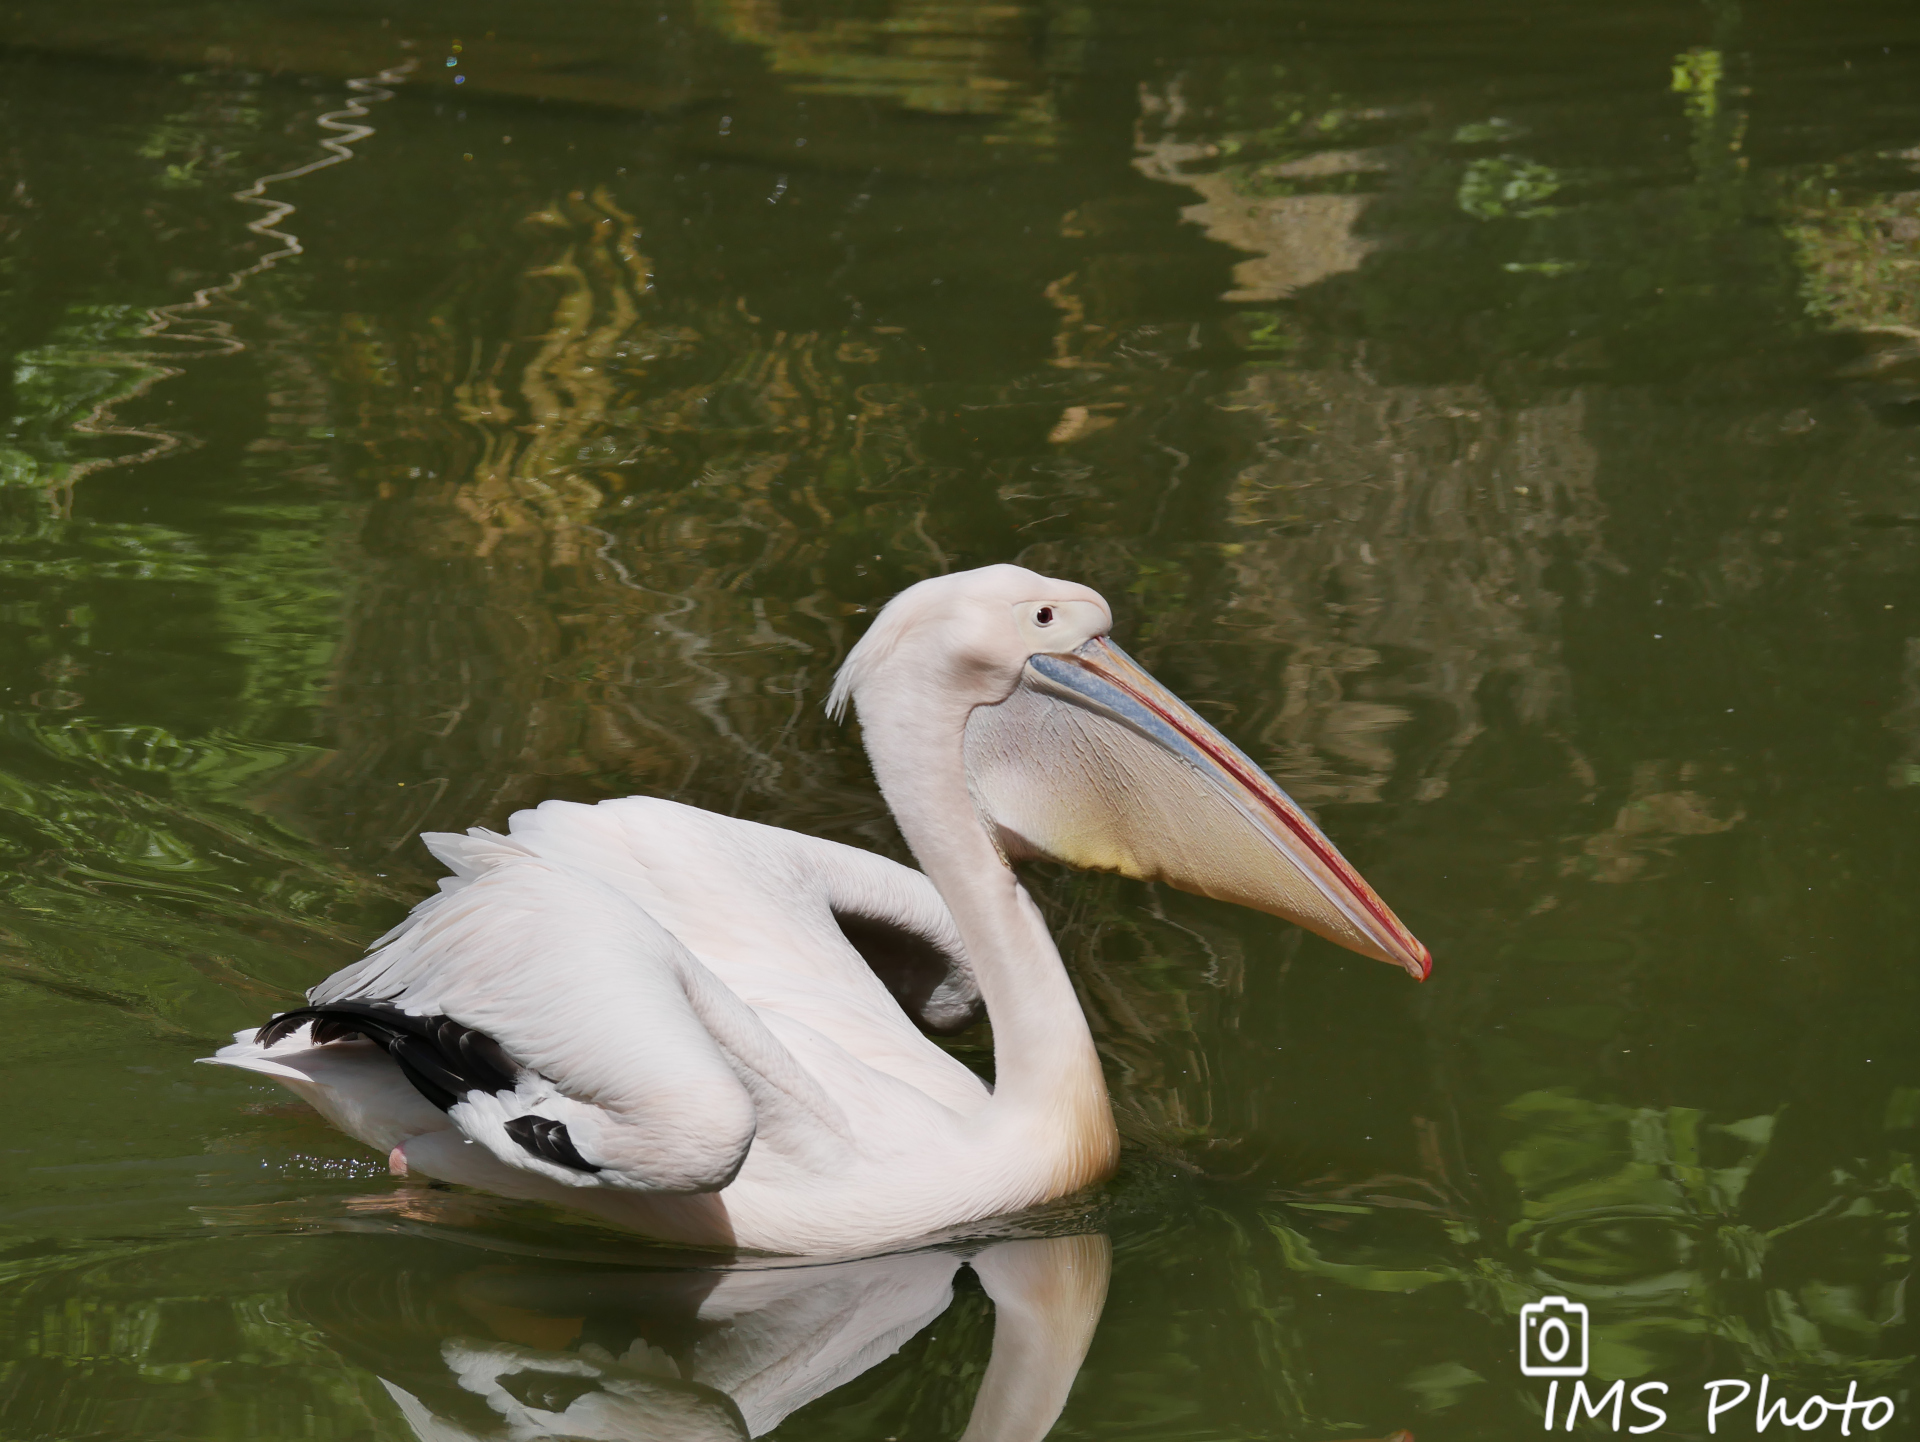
(711, 1031)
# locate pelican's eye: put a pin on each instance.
(1057, 626)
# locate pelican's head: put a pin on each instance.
(1075, 753)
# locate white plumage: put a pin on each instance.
(661, 1014)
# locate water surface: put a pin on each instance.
(1504, 421)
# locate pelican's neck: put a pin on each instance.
(1045, 1065)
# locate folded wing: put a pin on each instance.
(557, 1024)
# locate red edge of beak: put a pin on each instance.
(1423, 962)
(1419, 962)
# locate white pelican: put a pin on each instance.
(699, 1027)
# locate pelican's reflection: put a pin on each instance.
(730, 1353)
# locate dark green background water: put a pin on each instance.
(1503, 419)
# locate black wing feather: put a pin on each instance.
(441, 1058)
(547, 1138)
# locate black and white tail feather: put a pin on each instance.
(448, 1064)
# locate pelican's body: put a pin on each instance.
(662, 1014)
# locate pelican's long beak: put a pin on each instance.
(1093, 762)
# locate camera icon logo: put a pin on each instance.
(1553, 1338)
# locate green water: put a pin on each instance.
(1503, 420)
